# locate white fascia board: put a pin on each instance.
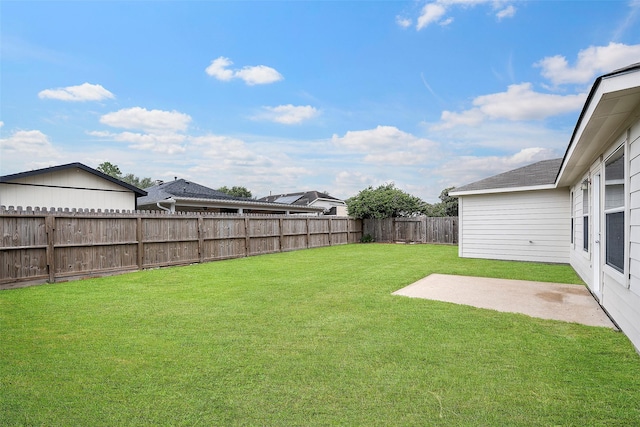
(503, 190)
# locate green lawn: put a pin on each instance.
(304, 338)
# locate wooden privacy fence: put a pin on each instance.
(420, 229)
(40, 245)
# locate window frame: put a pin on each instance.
(619, 152)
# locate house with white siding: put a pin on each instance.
(583, 209)
(72, 186)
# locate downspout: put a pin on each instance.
(172, 203)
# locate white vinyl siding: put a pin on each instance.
(634, 211)
(68, 188)
(621, 291)
(523, 226)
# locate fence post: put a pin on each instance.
(281, 223)
(330, 220)
(50, 226)
(200, 238)
(308, 234)
(139, 238)
(247, 237)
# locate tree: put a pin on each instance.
(110, 169)
(386, 201)
(138, 182)
(449, 203)
(236, 191)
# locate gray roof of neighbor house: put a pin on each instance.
(302, 198)
(540, 173)
(76, 165)
(181, 189)
(184, 189)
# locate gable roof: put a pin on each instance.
(76, 165)
(535, 175)
(188, 193)
(302, 198)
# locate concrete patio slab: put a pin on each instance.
(557, 301)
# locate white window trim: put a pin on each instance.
(620, 277)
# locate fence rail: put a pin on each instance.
(49, 245)
(413, 230)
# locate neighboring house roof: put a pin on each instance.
(15, 176)
(188, 193)
(303, 198)
(538, 174)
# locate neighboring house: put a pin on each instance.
(73, 185)
(583, 209)
(182, 195)
(331, 205)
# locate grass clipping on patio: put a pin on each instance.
(311, 337)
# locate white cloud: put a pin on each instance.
(169, 143)
(431, 12)
(387, 145)
(591, 61)
(83, 92)
(507, 12)
(218, 69)
(160, 129)
(149, 120)
(435, 11)
(288, 114)
(27, 149)
(258, 75)
(229, 151)
(519, 102)
(251, 75)
(403, 22)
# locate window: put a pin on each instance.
(614, 195)
(572, 214)
(585, 215)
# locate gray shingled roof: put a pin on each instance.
(183, 189)
(540, 173)
(301, 198)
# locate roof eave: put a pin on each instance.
(242, 204)
(502, 190)
(581, 152)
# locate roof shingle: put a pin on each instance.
(540, 173)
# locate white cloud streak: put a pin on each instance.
(251, 75)
(80, 93)
(591, 61)
(160, 129)
(149, 120)
(519, 102)
(387, 145)
(435, 12)
(288, 114)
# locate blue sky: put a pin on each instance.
(284, 96)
